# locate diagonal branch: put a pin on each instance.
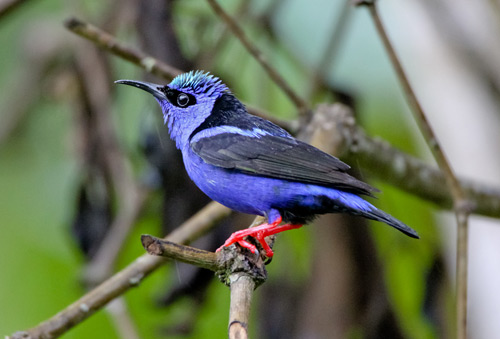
(396, 167)
(461, 204)
(318, 78)
(109, 42)
(150, 64)
(8, 6)
(259, 56)
(129, 277)
(420, 116)
(94, 83)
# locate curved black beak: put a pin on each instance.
(154, 89)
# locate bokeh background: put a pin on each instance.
(58, 196)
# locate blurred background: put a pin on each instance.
(79, 155)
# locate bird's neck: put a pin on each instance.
(181, 125)
(178, 134)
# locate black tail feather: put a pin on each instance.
(300, 214)
(380, 215)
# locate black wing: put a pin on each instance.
(278, 157)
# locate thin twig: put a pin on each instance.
(102, 264)
(207, 55)
(299, 102)
(338, 31)
(122, 319)
(14, 110)
(8, 6)
(461, 204)
(129, 277)
(424, 124)
(95, 85)
(93, 74)
(109, 42)
(186, 254)
(150, 64)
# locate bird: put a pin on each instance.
(253, 166)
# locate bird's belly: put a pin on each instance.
(238, 191)
(258, 195)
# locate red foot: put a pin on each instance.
(259, 233)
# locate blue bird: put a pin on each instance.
(253, 166)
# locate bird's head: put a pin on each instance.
(186, 102)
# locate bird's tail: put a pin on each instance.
(338, 201)
(379, 215)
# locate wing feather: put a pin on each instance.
(278, 157)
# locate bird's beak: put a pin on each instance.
(154, 89)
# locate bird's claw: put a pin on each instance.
(242, 243)
(257, 233)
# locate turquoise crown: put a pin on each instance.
(199, 82)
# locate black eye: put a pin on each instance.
(182, 100)
(178, 98)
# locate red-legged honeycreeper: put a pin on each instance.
(253, 166)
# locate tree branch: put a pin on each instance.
(108, 42)
(122, 319)
(318, 78)
(461, 206)
(95, 85)
(130, 276)
(102, 264)
(150, 64)
(186, 254)
(259, 56)
(406, 172)
(8, 6)
(242, 287)
(237, 267)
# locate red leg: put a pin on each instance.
(259, 233)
